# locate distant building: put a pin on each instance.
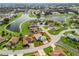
(75, 17)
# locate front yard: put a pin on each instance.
(55, 32)
(36, 43)
(48, 50)
(46, 27)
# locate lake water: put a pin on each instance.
(14, 26)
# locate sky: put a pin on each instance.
(39, 1)
(35, 4)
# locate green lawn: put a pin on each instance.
(48, 50)
(55, 32)
(68, 21)
(71, 32)
(24, 27)
(30, 54)
(3, 55)
(2, 45)
(19, 46)
(70, 42)
(46, 27)
(36, 43)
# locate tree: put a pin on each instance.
(3, 33)
(6, 20)
(77, 48)
(46, 23)
(20, 36)
(38, 15)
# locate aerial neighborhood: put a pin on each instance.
(42, 29)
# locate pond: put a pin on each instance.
(15, 25)
(59, 18)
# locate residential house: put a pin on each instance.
(57, 52)
(72, 37)
(13, 42)
(33, 28)
(41, 38)
(2, 39)
(26, 40)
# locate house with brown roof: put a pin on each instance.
(33, 28)
(58, 52)
(14, 40)
(26, 40)
(2, 39)
(51, 23)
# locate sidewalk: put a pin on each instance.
(41, 52)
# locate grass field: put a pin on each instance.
(30, 54)
(48, 50)
(55, 32)
(24, 27)
(70, 42)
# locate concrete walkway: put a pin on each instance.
(41, 52)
